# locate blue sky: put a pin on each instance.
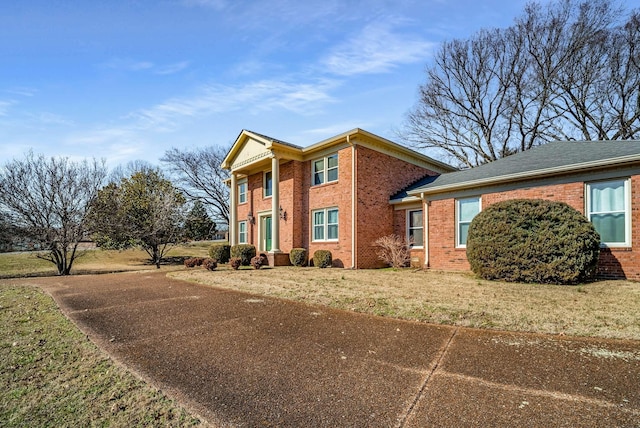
(127, 80)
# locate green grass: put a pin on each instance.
(52, 375)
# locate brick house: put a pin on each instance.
(332, 195)
(599, 179)
(343, 193)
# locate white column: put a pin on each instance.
(233, 210)
(275, 205)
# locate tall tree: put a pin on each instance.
(198, 225)
(198, 174)
(46, 201)
(144, 210)
(567, 70)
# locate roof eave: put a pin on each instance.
(540, 173)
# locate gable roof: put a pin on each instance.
(551, 159)
(252, 150)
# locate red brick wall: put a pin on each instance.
(379, 177)
(328, 195)
(615, 262)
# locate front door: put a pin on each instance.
(265, 232)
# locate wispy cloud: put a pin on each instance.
(5, 106)
(376, 49)
(266, 95)
(23, 91)
(148, 66)
(214, 4)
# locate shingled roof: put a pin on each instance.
(551, 159)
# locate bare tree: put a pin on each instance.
(47, 201)
(567, 70)
(199, 176)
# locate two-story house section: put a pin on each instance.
(332, 195)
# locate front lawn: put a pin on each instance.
(609, 309)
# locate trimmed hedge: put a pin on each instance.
(533, 241)
(245, 252)
(235, 262)
(322, 259)
(258, 261)
(209, 264)
(298, 256)
(193, 262)
(220, 252)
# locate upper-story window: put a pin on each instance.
(242, 191)
(325, 170)
(608, 210)
(466, 210)
(268, 184)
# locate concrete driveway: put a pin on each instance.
(244, 360)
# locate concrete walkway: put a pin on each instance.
(244, 360)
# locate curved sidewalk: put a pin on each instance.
(244, 360)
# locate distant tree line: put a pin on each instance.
(53, 204)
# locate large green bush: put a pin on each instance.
(298, 256)
(220, 252)
(245, 252)
(322, 258)
(525, 240)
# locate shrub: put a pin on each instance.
(257, 262)
(322, 258)
(245, 252)
(193, 262)
(533, 241)
(235, 262)
(298, 256)
(210, 264)
(394, 251)
(220, 252)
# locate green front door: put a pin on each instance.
(267, 233)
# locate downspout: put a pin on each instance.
(425, 225)
(354, 204)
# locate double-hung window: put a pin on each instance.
(608, 210)
(466, 210)
(242, 191)
(242, 232)
(325, 224)
(268, 184)
(415, 228)
(325, 170)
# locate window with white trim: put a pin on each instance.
(242, 232)
(325, 224)
(242, 191)
(324, 170)
(466, 210)
(268, 184)
(415, 228)
(608, 210)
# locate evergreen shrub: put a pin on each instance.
(220, 252)
(298, 256)
(245, 252)
(322, 258)
(533, 241)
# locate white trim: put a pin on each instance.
(626, 181)
(457, 217)
(245, 193)
(264, 184)
(325, 169)
(325, 224)
(408, 227)
(240, 232)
